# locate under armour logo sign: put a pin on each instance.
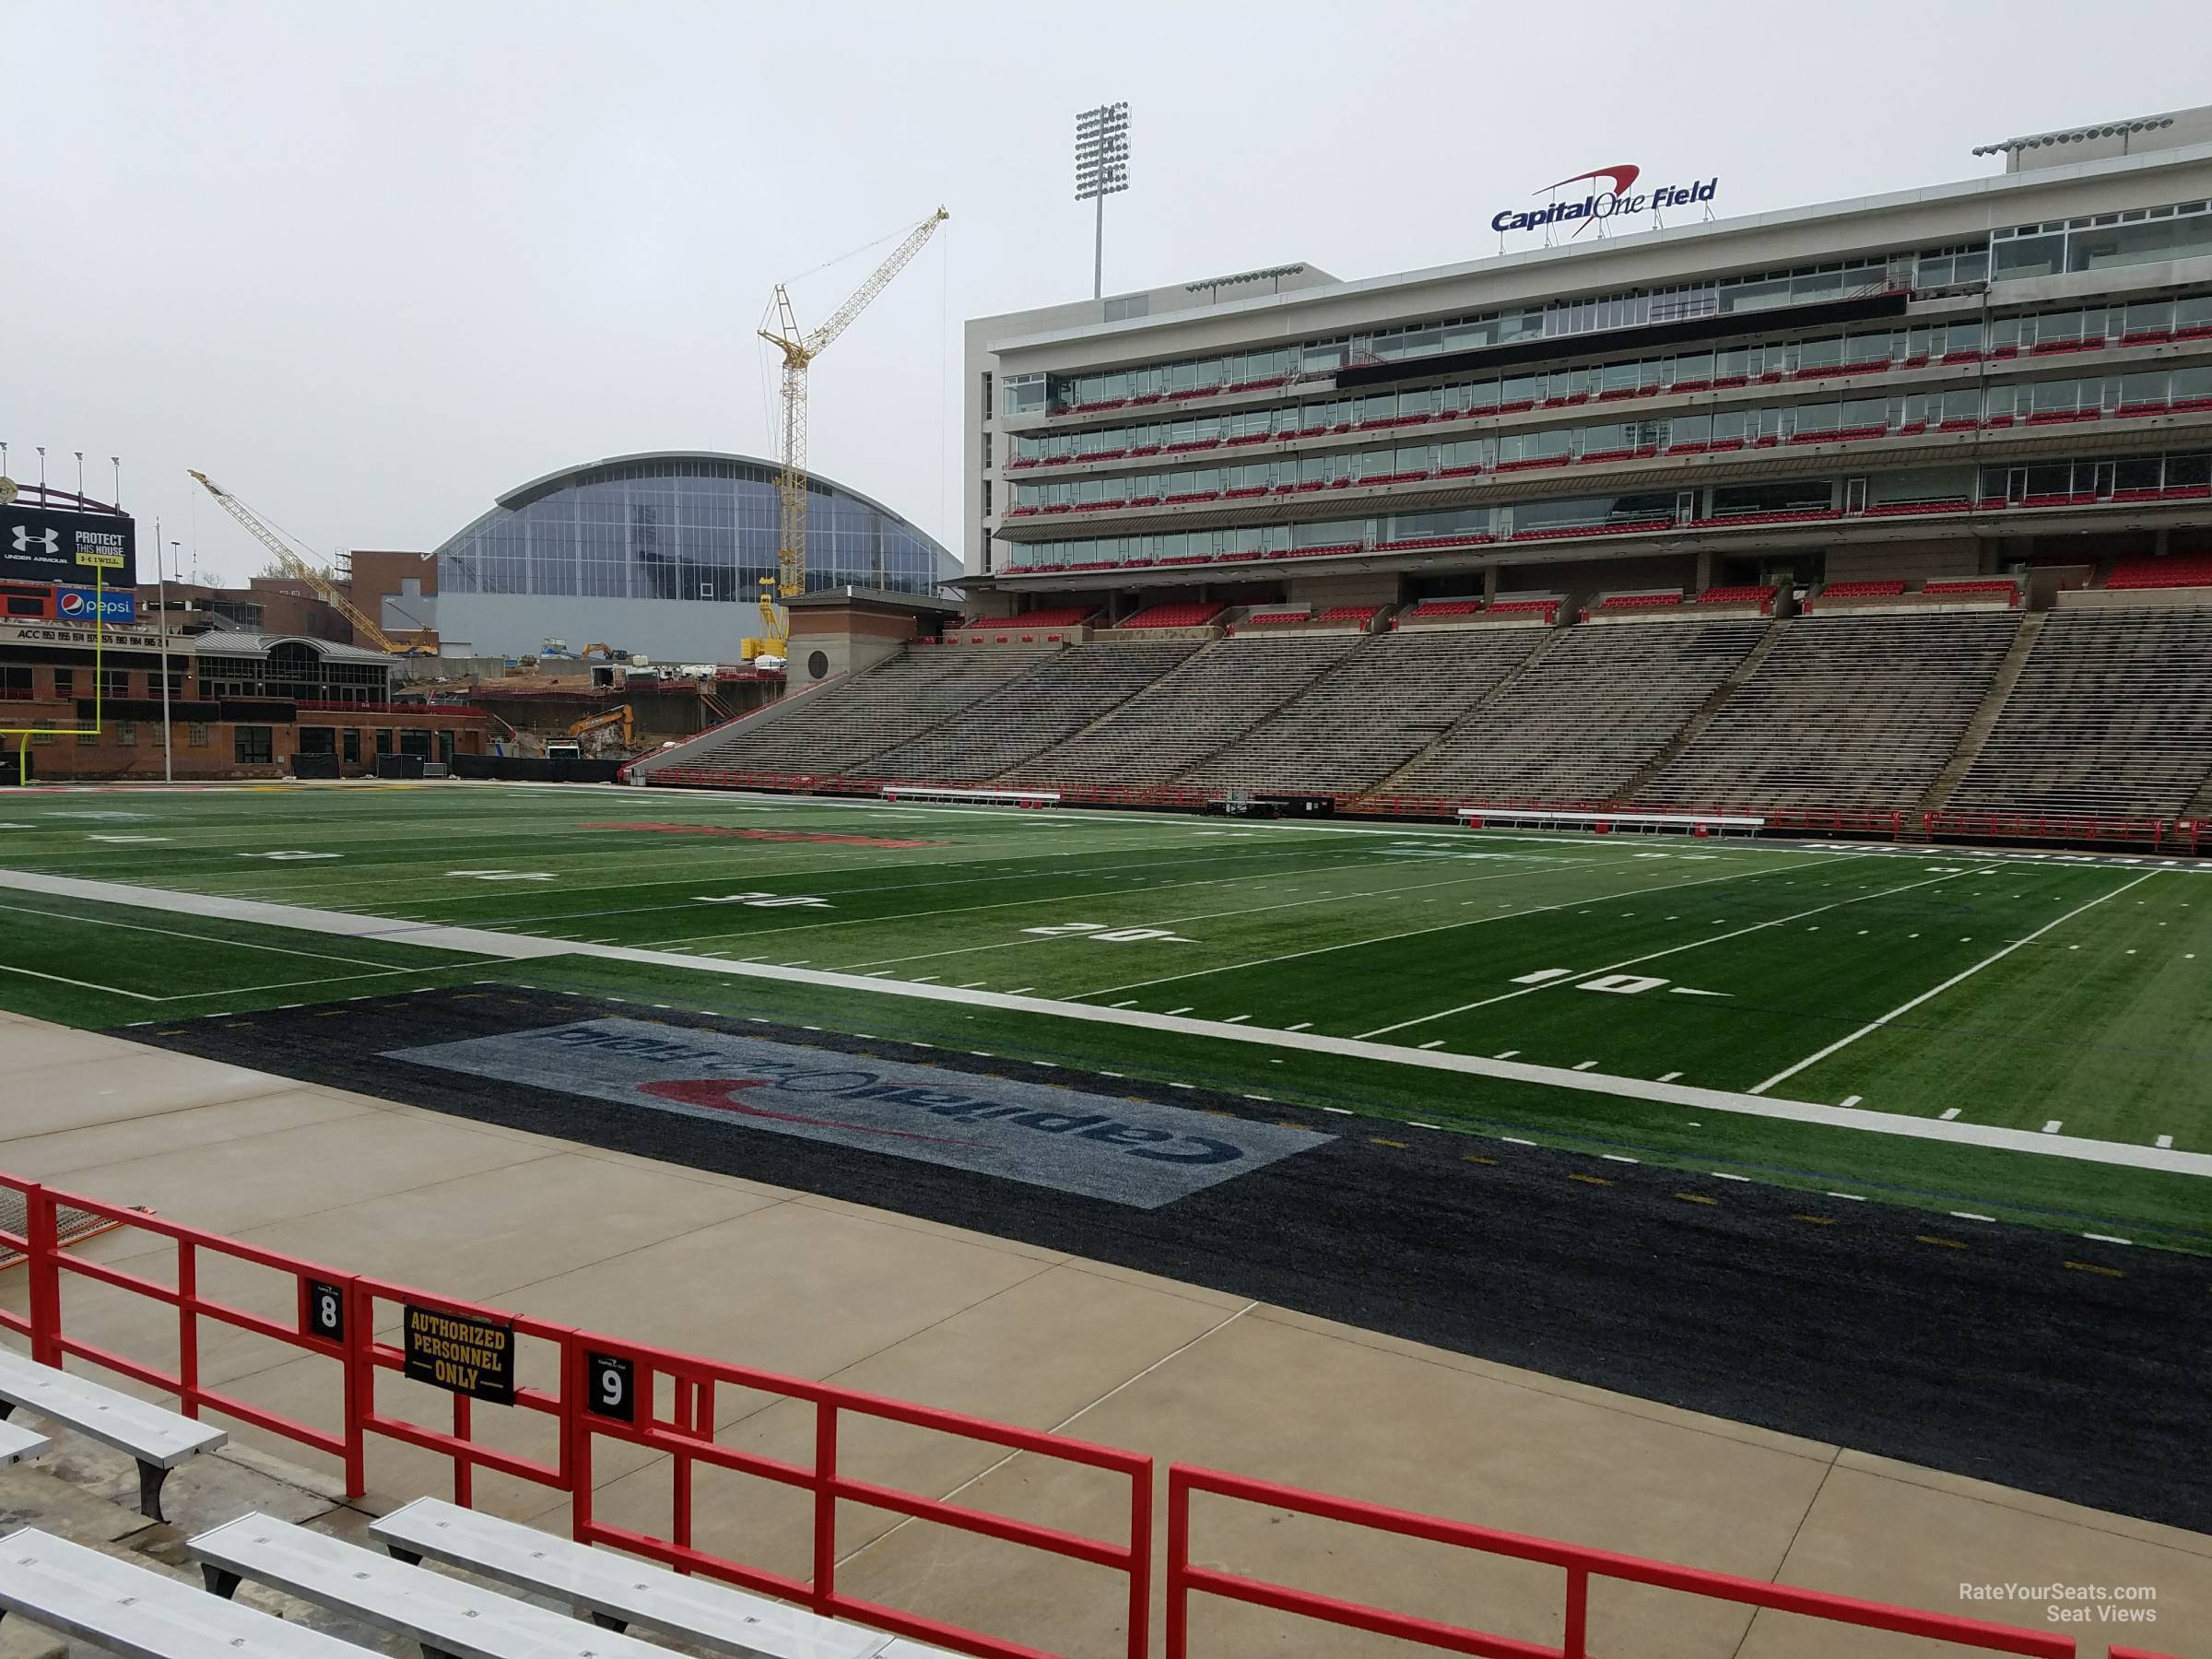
(50, 539)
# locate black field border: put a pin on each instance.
(2004, 1353)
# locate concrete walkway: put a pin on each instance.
(789, 1282)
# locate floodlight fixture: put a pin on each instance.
(1101, 170)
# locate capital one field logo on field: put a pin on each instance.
(1140, 1153)
(1617, 198)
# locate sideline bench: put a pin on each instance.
(17, 1443)
(617, 1590)
(141, 1614)
(449, 1617)
(158, 1438)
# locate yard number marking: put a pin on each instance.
(1098, 930)
(761, 900)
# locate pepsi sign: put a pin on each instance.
(1618, 199)
(83, 605)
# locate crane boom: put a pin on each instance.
(799, 350)
(315, 578)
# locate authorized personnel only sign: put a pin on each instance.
(1140, 1153)
(460, 1352)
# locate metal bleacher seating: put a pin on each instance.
(617, 1591)
(1062, 696)
(836, 727)
(1853, 712)
(19, 1444)
(441, 1614)
(1374, 711)
(2112, 715)
(1590, 714)
(156, 1438)
(119, 1607)
(1222, 693)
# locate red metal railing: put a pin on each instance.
(1581, 1566)
(2177, 837)
(686, 1433)
(584, 1413)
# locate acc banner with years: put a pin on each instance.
(460, 1352)
(41, 544)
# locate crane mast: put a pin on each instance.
(315, 578)
(799, 350)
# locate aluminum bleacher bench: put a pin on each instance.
(448, 1617)
(158, 1438)
(137, 1612)
(17, 1443)
(617, 1591)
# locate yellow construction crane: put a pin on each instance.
(314, 575)
(799, 349)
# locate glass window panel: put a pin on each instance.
(2021, 256)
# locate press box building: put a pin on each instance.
(2009, 373)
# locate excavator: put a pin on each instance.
(614, 728)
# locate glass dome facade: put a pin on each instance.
(681, 526)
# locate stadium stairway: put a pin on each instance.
(1389, 699)
(1233, 684)
(1067, 695)
(1165, 684)
(841, 724)
(1985, 718)
(1395, 783)
(2200, 805)
(1706, 711)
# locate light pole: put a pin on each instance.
(168, 734)
(1101, 170)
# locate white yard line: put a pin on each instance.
(1060, 908)
(1788, 1072)
(1313, 1042)
(1697, 943)
(171, 933)
(1414, 933)
(80, 984)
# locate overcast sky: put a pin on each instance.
(370, 264)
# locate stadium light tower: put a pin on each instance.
(1101, 170)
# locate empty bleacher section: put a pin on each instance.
(1222, 693)
(1197, 615)
(1855, 712)
(1051, 617)
(1066, 694)
(837, 726)
(1588, 715)
(1381, 707)
(1992, 588)
(1742, 594)
(2175, 571)
(2111, 715)
(1438, 610)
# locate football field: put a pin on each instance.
(1986, 1034)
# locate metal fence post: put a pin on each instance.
(42, 1244)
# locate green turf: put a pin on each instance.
(1733, 964)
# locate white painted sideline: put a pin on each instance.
(512, 946)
